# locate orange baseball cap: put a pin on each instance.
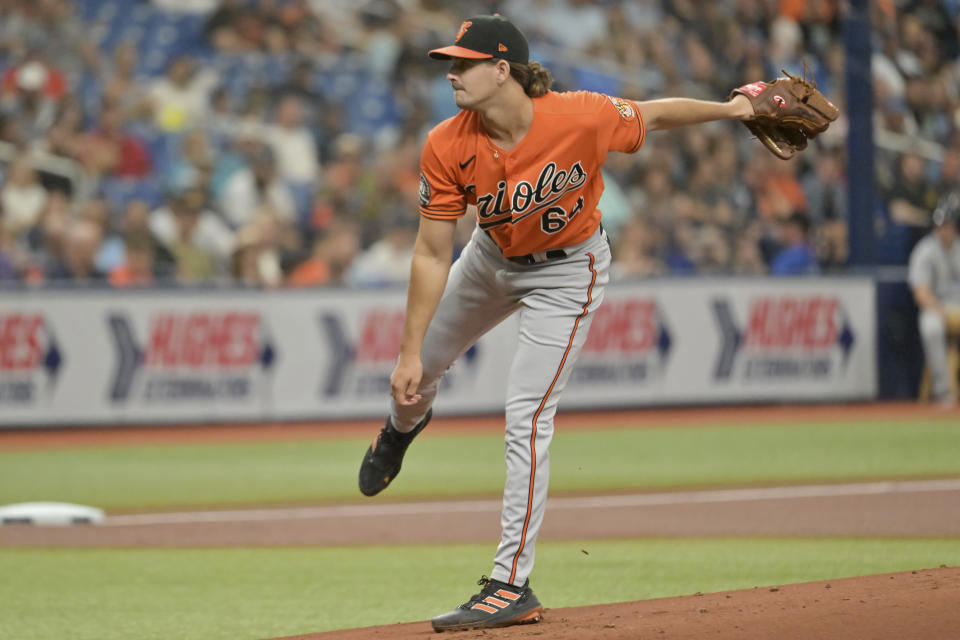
(485, 37)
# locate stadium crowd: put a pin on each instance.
(276, 142)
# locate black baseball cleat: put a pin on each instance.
(381, 463)
(497, 605)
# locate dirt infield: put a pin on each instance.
(917, 605)
(901, 509)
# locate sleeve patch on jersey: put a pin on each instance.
(622, 106)
(424, 191)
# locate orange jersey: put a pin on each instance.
(541, 195)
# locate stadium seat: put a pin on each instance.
(374, 107)
(118, 192)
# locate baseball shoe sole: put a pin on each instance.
(382, 461)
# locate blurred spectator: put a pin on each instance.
(831, 245)
(28, 105)
(23, 198)
(296, 152)
(97, 211)
(334, 251)
(345, 170)
(679, 250)
(257, 188)
(292, 142)
(387, 261)
(193, 166)
(33, 77)
(826, 193)
(181, 98)
(747, 258)
(44, 241)
(302, 84)
(615, 206)
(577, 24)
(193, 263)
(135, 222)
(200, 242)
(53, 33)
(935, 280)
(949, 175)
(123, 87)
(139, 266)
(222, 123)
(635, 250)
(797, 257)
(825, 189)
(78, 262)
(65, 137)
(234, 28)
(779, 193)
(382, 44)
(243, 145)
(255, 261)
(910, 196)
(712, 251)
(786, 39)
(110, 149)
(8, 263)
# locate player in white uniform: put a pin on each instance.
(935, 279)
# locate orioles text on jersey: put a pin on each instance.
(551, 187)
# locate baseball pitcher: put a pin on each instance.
(529, 159)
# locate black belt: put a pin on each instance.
(532, 258)
(546, 256)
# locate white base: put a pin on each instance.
(49, 514)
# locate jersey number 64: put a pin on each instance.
(555, 219)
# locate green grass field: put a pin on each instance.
(208, 594)
(237, 594)
(153, 477)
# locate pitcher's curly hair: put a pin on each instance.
(533, 77)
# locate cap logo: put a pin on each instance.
(463, 29)
(501, 47)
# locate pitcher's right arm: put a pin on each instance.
(432, 255)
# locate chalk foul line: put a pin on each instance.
(569, 503)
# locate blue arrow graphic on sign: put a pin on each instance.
(846, 339)
(663, 338)
(52, 359)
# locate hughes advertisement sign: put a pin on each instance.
(99, 357)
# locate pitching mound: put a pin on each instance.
(896, 606)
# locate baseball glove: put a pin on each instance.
(787, 112)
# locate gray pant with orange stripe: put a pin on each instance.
(556, 300)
